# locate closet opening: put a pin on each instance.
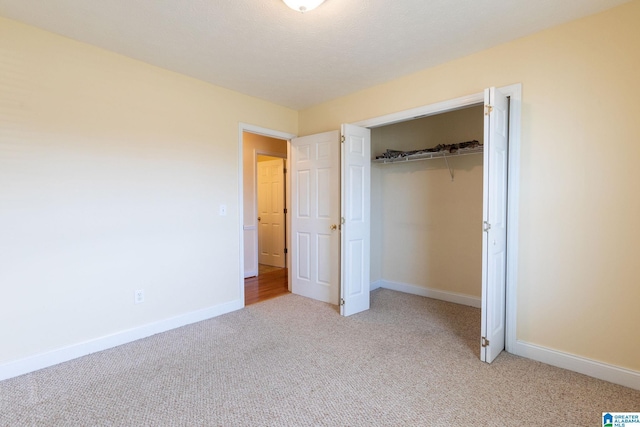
(427, 207)
(390, 268)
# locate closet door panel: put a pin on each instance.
(495, 225)
(356, 227)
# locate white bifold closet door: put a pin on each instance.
(494, 238)
(330, 221)
(356, 217)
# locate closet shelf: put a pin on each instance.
(429, 156)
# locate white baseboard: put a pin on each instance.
(428, 292)
(53, 357)
(592, 368)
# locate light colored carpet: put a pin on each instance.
(291, 361)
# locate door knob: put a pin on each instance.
(333, 227)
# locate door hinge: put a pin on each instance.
(485, 342)
(488, 109)
(486, 226)
(341, 301)
(342, 138)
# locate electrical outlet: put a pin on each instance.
(138, 296)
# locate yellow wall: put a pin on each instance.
(578, 287)
(111, 175)
(425, 228)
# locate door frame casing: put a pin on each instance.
(258, 130)
(514, 93)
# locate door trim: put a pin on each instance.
(245, 127)
(514, 92)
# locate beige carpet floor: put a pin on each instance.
(291, 361)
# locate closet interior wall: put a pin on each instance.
(426, 230)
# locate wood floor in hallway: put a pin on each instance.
(265, 286)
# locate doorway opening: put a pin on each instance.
(265, 201)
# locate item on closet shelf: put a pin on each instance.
(440, 148)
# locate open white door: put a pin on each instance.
(494, 253)
(271, 238)
(315, 206)
(356, 223)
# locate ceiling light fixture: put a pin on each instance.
(303, 5)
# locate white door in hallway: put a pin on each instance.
(315, 216)
(494, 239)
(271, 228)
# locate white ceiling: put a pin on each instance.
(264, 49)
